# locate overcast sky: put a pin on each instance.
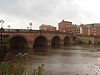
(18, 13)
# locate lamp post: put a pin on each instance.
(3, 49)
(9, 26)
(30, 25)
(27, 28)
(1, 21)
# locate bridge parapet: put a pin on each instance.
(31, 31)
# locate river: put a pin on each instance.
(67, 60)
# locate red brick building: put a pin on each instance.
(90, 29)
(47, 28)
(84, 30)
(65, 26)
(75, 29)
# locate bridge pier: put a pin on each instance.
(49, 43)
(62, 42)
(30, 44)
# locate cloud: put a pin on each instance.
(20, 12)
(28, 8)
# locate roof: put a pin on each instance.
(49, 26)
(96, 24)
(92, 25)
(67, 21)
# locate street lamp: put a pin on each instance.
(9, 26)
(1, 21)
(1, 48)
(27, 27)
(30, 25)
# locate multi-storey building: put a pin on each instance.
(84, 30)
(47, 28)
(90, 29)
(75, 29)
(65, 26)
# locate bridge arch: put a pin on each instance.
(18, 42)
(67, 40)
(55, 41)
(40, 41)
(74, 38)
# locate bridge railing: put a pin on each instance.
(30, 31)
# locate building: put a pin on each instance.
(65, 26)
(75, 29)
(90, 29)
(84, 30)
(47, 28)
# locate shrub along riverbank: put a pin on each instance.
(18, 67)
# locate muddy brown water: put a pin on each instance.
(67, 60)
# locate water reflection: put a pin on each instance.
(67, 60)
(40, 51)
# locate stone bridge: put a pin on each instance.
(19, 38)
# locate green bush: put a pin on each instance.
(18, 67)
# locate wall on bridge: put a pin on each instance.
(84, 39)
(31, 37)
(94, 40)
(97, 40)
